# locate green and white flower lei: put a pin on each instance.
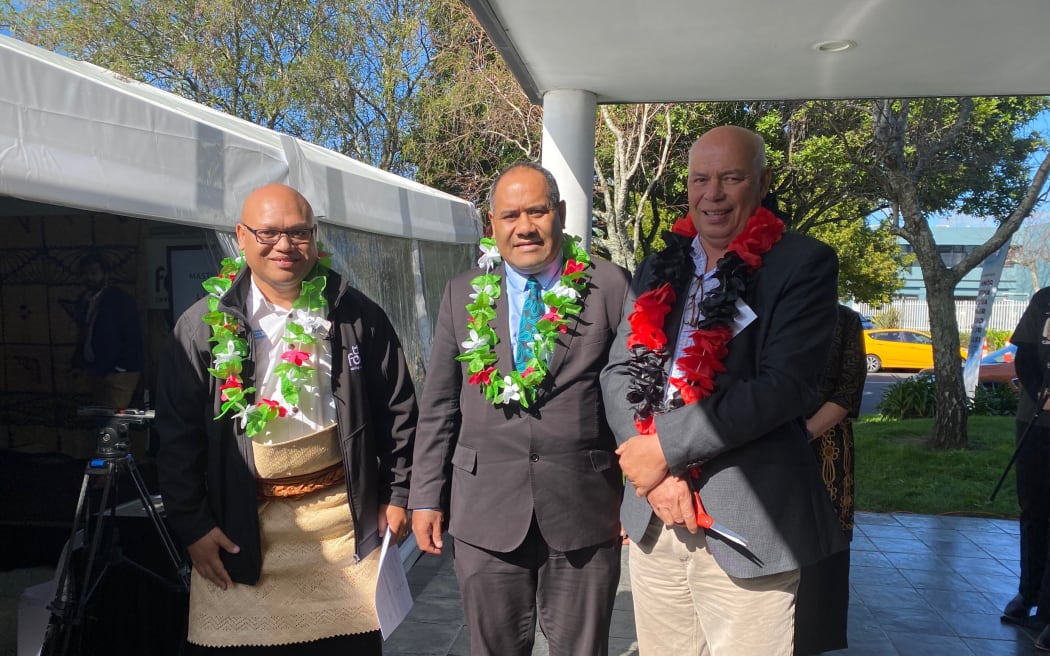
(562, 304)
(230, 348)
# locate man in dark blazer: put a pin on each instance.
(524, 449)
(698, 591)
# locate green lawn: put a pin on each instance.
(897, 473)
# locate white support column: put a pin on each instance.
(568, 153)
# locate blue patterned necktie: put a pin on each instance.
(531, 312)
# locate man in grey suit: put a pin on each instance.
(512, 420)
(708, 400)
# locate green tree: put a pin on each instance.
(340, 74)
(968, 155)
(810, 147)
(473, 117)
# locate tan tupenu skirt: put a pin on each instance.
(310, 587)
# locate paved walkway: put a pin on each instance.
(921, 586)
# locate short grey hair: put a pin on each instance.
(553, 195)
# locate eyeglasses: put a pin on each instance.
(268, 237)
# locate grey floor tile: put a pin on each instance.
(917, 560)
(940, 579)
(924, 521)
(880, 576)
(862, 543)
(952, 548)
(1016, 647)
(415, 638)
(980, 625)
(926, 644)
(623, 647)
(461, 647)
(867, 641)
(868, 559)
(884, 531)
(865, 519)
(879, 597)
(925, 621)
(902, 545)
(995, 584)
(947, 601)
(623, 625)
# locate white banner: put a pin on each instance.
(991, 271)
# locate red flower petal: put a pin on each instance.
(684, 226)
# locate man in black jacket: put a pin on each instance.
(1032, 337)
(109, 346)
(286, 418)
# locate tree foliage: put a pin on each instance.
(969, 155)
(340, 74)
(473, 117)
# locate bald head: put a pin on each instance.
(277, 235)
(275, 195)
(750, 144)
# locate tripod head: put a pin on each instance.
(112, 437)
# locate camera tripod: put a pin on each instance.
(1040, 401)
(72, 593)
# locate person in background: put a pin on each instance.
(1032, 338)
(511, 424)
(822, 604)
(109, 344)
(285, 417)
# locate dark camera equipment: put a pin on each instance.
(78, 579)
(1040, 401)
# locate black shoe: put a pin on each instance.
(1042, 643)
(1017, 612)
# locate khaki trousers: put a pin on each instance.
(685, 604)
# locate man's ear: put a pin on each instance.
(242, 233)
(767, 180)
(561, 212)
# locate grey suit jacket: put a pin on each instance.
(554, 459)
(758, 474)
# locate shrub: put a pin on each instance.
(994, 401)
(916, 397)
(910, 398)
(995, 339)
(889, 317)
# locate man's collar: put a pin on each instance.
(517, 280)
(699, 256)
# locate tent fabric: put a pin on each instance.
(80, 136)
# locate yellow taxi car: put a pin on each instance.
(898, 348)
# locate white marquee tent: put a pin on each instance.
(76, 135)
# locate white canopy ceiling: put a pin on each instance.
(685, 50)
(76, 135)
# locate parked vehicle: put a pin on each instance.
(899, 348)
(997, 367)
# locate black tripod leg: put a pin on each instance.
(59, 625)
(181, 568)
(1041, 400)
(90, 578)
(57, 639)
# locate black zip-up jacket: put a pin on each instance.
(205, 467)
